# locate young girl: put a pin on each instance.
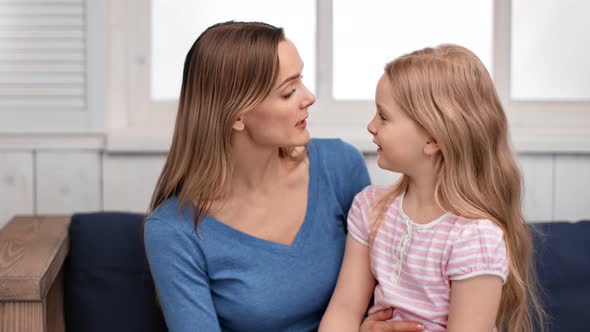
(446, 246)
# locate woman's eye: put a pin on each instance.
(293, 89)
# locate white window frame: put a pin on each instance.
(138, 124)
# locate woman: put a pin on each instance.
(246, 229)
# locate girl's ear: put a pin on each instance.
(431, 147)
(238, 124)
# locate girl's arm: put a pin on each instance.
(353, 291)
(351, 297)
(474, 303)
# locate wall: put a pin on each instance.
(68, 180)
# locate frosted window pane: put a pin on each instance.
(369, 34)
(550, 50)
(177, 24)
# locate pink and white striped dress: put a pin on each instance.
(414, 264)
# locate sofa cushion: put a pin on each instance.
(107, 282)
(562, 253)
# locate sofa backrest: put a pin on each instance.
(562, 255)
(108, 286)
(107, 281)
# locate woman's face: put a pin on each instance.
(280, 119)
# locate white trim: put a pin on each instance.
(97, 50)
(20, 142)
(139, 56)
(158, 139)
(119, 64)
(139, 141)
(524, 140)
(481, 272)
(358, 238)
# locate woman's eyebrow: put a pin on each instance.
(292, 77)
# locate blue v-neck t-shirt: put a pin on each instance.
(222, 279)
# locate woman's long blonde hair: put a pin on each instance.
(449, 92)
(230, 69)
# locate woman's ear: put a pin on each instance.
(431, 147)
(239, 124)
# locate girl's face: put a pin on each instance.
(280, 119)
(400, 140)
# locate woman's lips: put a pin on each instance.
(301, 124)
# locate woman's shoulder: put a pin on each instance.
(170, 214)
(336, 153)
(333, 146)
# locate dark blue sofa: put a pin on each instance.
(108, 286)
(562, 252)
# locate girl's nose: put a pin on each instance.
(371, 127)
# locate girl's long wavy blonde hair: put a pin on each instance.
(230, 69)
(449, 92)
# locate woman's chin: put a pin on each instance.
(301, 139)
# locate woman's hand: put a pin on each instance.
(377, 322)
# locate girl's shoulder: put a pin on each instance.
(371, 194)
(474, 228)
(476, 247)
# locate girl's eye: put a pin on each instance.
(381, 116)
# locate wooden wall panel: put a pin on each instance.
(16, 185)
(572, 187)
(129, 181)
(68, 182)
(538, 182)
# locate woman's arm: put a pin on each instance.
(353, 290)
(379, 322)
(474, 304)
(180, 276)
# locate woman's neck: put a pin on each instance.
(254, 168)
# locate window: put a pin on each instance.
(175, 28)
(549, 60)
(387, 29)
(345, 45)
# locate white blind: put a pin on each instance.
(42, 55)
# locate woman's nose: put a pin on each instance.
(309, 97)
